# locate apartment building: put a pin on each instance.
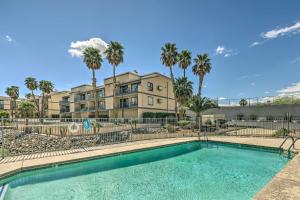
(135, 95)
(52, 104)
(6, 105)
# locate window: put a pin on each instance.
(101, 105)
(1, 104)
(159, 100)
(150, 86)
(134, 101)
(150, 100)
(134, 87)
(100, 93)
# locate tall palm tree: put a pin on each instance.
(32, 84)
(115, 56)
(13, 93)
(201, 67)
(46, 87)
(183, 92)
(185, 58)
(169, 57)
(93, 61)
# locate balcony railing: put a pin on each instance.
(86, 98)
(126, 91)
(64, 102)
(64, 110)
(128, 105)
(101, 108)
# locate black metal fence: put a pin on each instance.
(34, 138)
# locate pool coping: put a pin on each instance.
(281, 182)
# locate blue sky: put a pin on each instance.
(254, 45)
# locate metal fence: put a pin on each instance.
(35, 138)
(259, 101)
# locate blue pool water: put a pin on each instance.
(193, 170)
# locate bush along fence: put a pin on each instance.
(45, 137)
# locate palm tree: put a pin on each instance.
(46, 87)
(115, 56)
(32, 84)
(185, 58)
(243, 102)
(93, 61)
(201, 67)
(27, 109)
(13, 93)
(199, 104)
(183, 92)
(169, 57)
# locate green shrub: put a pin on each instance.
(240, 117)
(170, 128)
(183, 123)
(158, 115)
(281, 133)
(253, 117)
(208, 122)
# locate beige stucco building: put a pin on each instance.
(135, 95)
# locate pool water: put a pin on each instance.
(193, 170)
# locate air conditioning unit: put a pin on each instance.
(159, 87)
(159, 100)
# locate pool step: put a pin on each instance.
(2, 191)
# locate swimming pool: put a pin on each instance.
(194, 170)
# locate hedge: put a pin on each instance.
(158, 115)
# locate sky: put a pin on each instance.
(253, 44)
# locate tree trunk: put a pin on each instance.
(43, 106)
(114, 92)
(201, 77)
(173, 83)
(11, 108)
(184, 72)
(95, 95)
(36, 103)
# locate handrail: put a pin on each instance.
(286, 138)
(293, 144)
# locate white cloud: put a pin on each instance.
(282, 31)
(293, 89)
(267, 92)
(8, 38)
(222, 98)
(76, 48)
(295, 60)
(275, 33)
(221, 50)
(255, 44)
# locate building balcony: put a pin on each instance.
(87, 98)
(89, 109)
(64, 102)
(64, 110)
(128, 105)
(126, 91)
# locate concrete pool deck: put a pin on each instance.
(285, 185)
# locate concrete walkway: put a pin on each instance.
(284, 186)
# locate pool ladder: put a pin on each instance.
(294, 140)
